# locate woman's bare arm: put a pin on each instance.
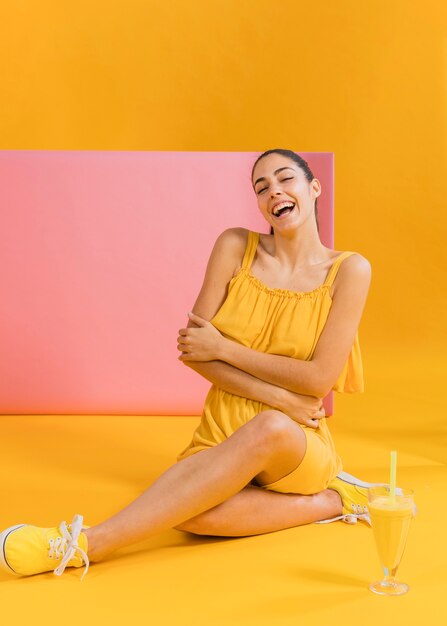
(239, 383)
(304, 409)
(225, 257)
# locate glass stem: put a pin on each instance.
(390, 577)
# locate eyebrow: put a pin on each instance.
(275, 172)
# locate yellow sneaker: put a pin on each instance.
(27, 549)
(354, 495)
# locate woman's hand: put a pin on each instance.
(306, 410)
(202, 343)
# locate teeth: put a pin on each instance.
(278, 207)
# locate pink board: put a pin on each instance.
(102, 254)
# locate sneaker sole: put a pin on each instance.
(352, 480)
(4, 565)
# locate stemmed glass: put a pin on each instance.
(390, 522)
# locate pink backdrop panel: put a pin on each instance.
(102, 254)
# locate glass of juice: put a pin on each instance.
(390, 521)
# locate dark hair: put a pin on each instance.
(300, 162)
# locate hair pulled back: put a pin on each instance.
(300, 162)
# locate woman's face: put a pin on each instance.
(279, 181)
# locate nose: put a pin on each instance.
(273, 192)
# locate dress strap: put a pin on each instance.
(250, 250)
(334, 268)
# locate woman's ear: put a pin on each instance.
(316, 187)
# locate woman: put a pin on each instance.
(274, 329)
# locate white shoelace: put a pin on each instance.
(67, 546)
(349, 518)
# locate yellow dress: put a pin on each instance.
(285, 322)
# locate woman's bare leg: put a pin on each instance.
(268, 444)
(255, 511)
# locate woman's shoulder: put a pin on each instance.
(235, 237)
(238, 238)
(233, 244)
(352, 260)
(353, 269)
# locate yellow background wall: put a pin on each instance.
(364, 80)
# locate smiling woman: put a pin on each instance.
(288, 311)
(274, 328)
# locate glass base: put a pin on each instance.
(389, 589)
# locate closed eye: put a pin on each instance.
(281, 181)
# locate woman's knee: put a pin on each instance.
(273, 425)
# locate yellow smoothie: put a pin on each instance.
(390, 524)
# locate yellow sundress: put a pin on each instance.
(289, 323)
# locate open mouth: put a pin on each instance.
(285, 208)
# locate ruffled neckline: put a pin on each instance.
(278, 291)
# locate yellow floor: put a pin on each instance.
(55, 466)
